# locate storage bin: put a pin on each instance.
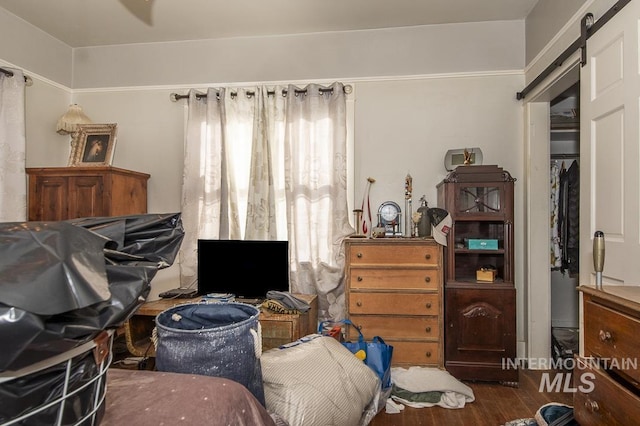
(482, 244)
(212, 339)
(66, 389)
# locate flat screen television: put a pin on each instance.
(246, 268)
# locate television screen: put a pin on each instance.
(245, 268)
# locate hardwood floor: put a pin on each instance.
(493, 406)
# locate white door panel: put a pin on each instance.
(609, 115)
(606, 65)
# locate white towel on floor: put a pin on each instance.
(425, 379)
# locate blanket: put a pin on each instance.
(151, 398)
(425, 387)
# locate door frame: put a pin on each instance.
(537, 140)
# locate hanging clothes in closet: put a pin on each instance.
(569, 218)
(554, 244)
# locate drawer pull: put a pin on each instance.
(428, 305)
(359, 255)
(427, 256)
(358, 303)
(591, 406)
(359, 278)
(427, 279)
(428, 329)
(605, 336)
(428, 354)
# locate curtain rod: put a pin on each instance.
(176, 97)
(588, 28)
(8, 73)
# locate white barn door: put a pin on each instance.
(609, 154)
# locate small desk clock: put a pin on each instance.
(390, 217)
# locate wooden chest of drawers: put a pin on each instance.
(607, 378)
(394, 290)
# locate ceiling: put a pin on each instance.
(83, 23)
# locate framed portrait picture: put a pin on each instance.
(93, 145)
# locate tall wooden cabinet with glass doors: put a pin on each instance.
(480, 295)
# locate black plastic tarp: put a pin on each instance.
(62, 283)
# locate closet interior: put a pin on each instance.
(564, 221)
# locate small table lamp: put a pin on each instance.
(68, 123)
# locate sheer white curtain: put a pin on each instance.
(13, 185)
(260, 165)
(316, 193)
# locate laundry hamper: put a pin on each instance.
(212, 339)
(66, 389)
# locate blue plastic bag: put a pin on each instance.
(377, 354)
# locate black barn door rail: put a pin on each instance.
(587, 29)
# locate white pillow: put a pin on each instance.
(317, 381)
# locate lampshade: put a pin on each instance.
(68, 123)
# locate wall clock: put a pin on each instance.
(390, 217)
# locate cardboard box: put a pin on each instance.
(488, 275)
(482, 244)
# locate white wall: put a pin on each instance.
(546, 39)
(407, 126)
(400, 126)
(545, 20)
(394, 52)
(417, 93)
(29, 48)
(45, 103)
(149, 138)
